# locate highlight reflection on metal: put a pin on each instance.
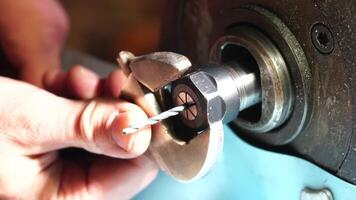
(219, 93)
(276, 85)
(154, 120)
(147, 76)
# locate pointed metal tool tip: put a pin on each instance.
(153, 120)
(127, 131)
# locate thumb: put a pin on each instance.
(35, 121)
(98, 128)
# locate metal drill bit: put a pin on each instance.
(154, 120)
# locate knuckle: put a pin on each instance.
(85, 124)
(95, 125)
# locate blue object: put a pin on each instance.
(246, 172)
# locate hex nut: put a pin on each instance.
(202, 87)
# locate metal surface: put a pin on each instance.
(170, 153)
(322, 125)
(154, 70)
(192, 159)
(276, 88)
(154, 120)
(242, 172)
(247, 84)
(309, 194)
(219, 93)
(293, 56)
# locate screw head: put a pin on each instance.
(322, 38)
(191, 112)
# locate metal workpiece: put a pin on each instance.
(255, 33)
(154, 70)
(183, 160)
(322, 124)
(217, 93)
(276, 86)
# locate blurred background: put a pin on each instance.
(103, 28)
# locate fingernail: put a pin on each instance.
(118, 124)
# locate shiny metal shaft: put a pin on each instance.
(154, 120)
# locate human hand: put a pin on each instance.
(35, 124)
(32, 33)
